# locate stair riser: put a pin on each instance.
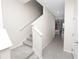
(30, 39)
(27, 45)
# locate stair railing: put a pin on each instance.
(37, 42)
(39, 33)
(26, 25)
(30, 23)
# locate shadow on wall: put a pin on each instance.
(16, 16)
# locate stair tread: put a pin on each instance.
(28, 43)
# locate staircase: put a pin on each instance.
(24, 51)
(28, 41)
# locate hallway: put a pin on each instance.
(55, 50)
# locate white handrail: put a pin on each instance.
(40, 33)
(26, 25)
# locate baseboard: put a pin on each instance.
(68, 51)
(47, 44)
(14, 46)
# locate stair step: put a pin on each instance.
(30, 39)
(33, 57)
(28, 43)
(30, 35)
(21, 52)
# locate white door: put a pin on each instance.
(75, 54)
(75, 20)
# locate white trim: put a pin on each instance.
(37, 20)
(68, 51)
(14, 46)
(23, 1)
(40, 33)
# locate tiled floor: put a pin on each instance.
(22, 52)
(55, 50)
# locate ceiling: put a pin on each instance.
(55, 6)
(23, 1)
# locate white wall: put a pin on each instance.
(70, 33)
(16, 15)
(55, 6)
(45, 25)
